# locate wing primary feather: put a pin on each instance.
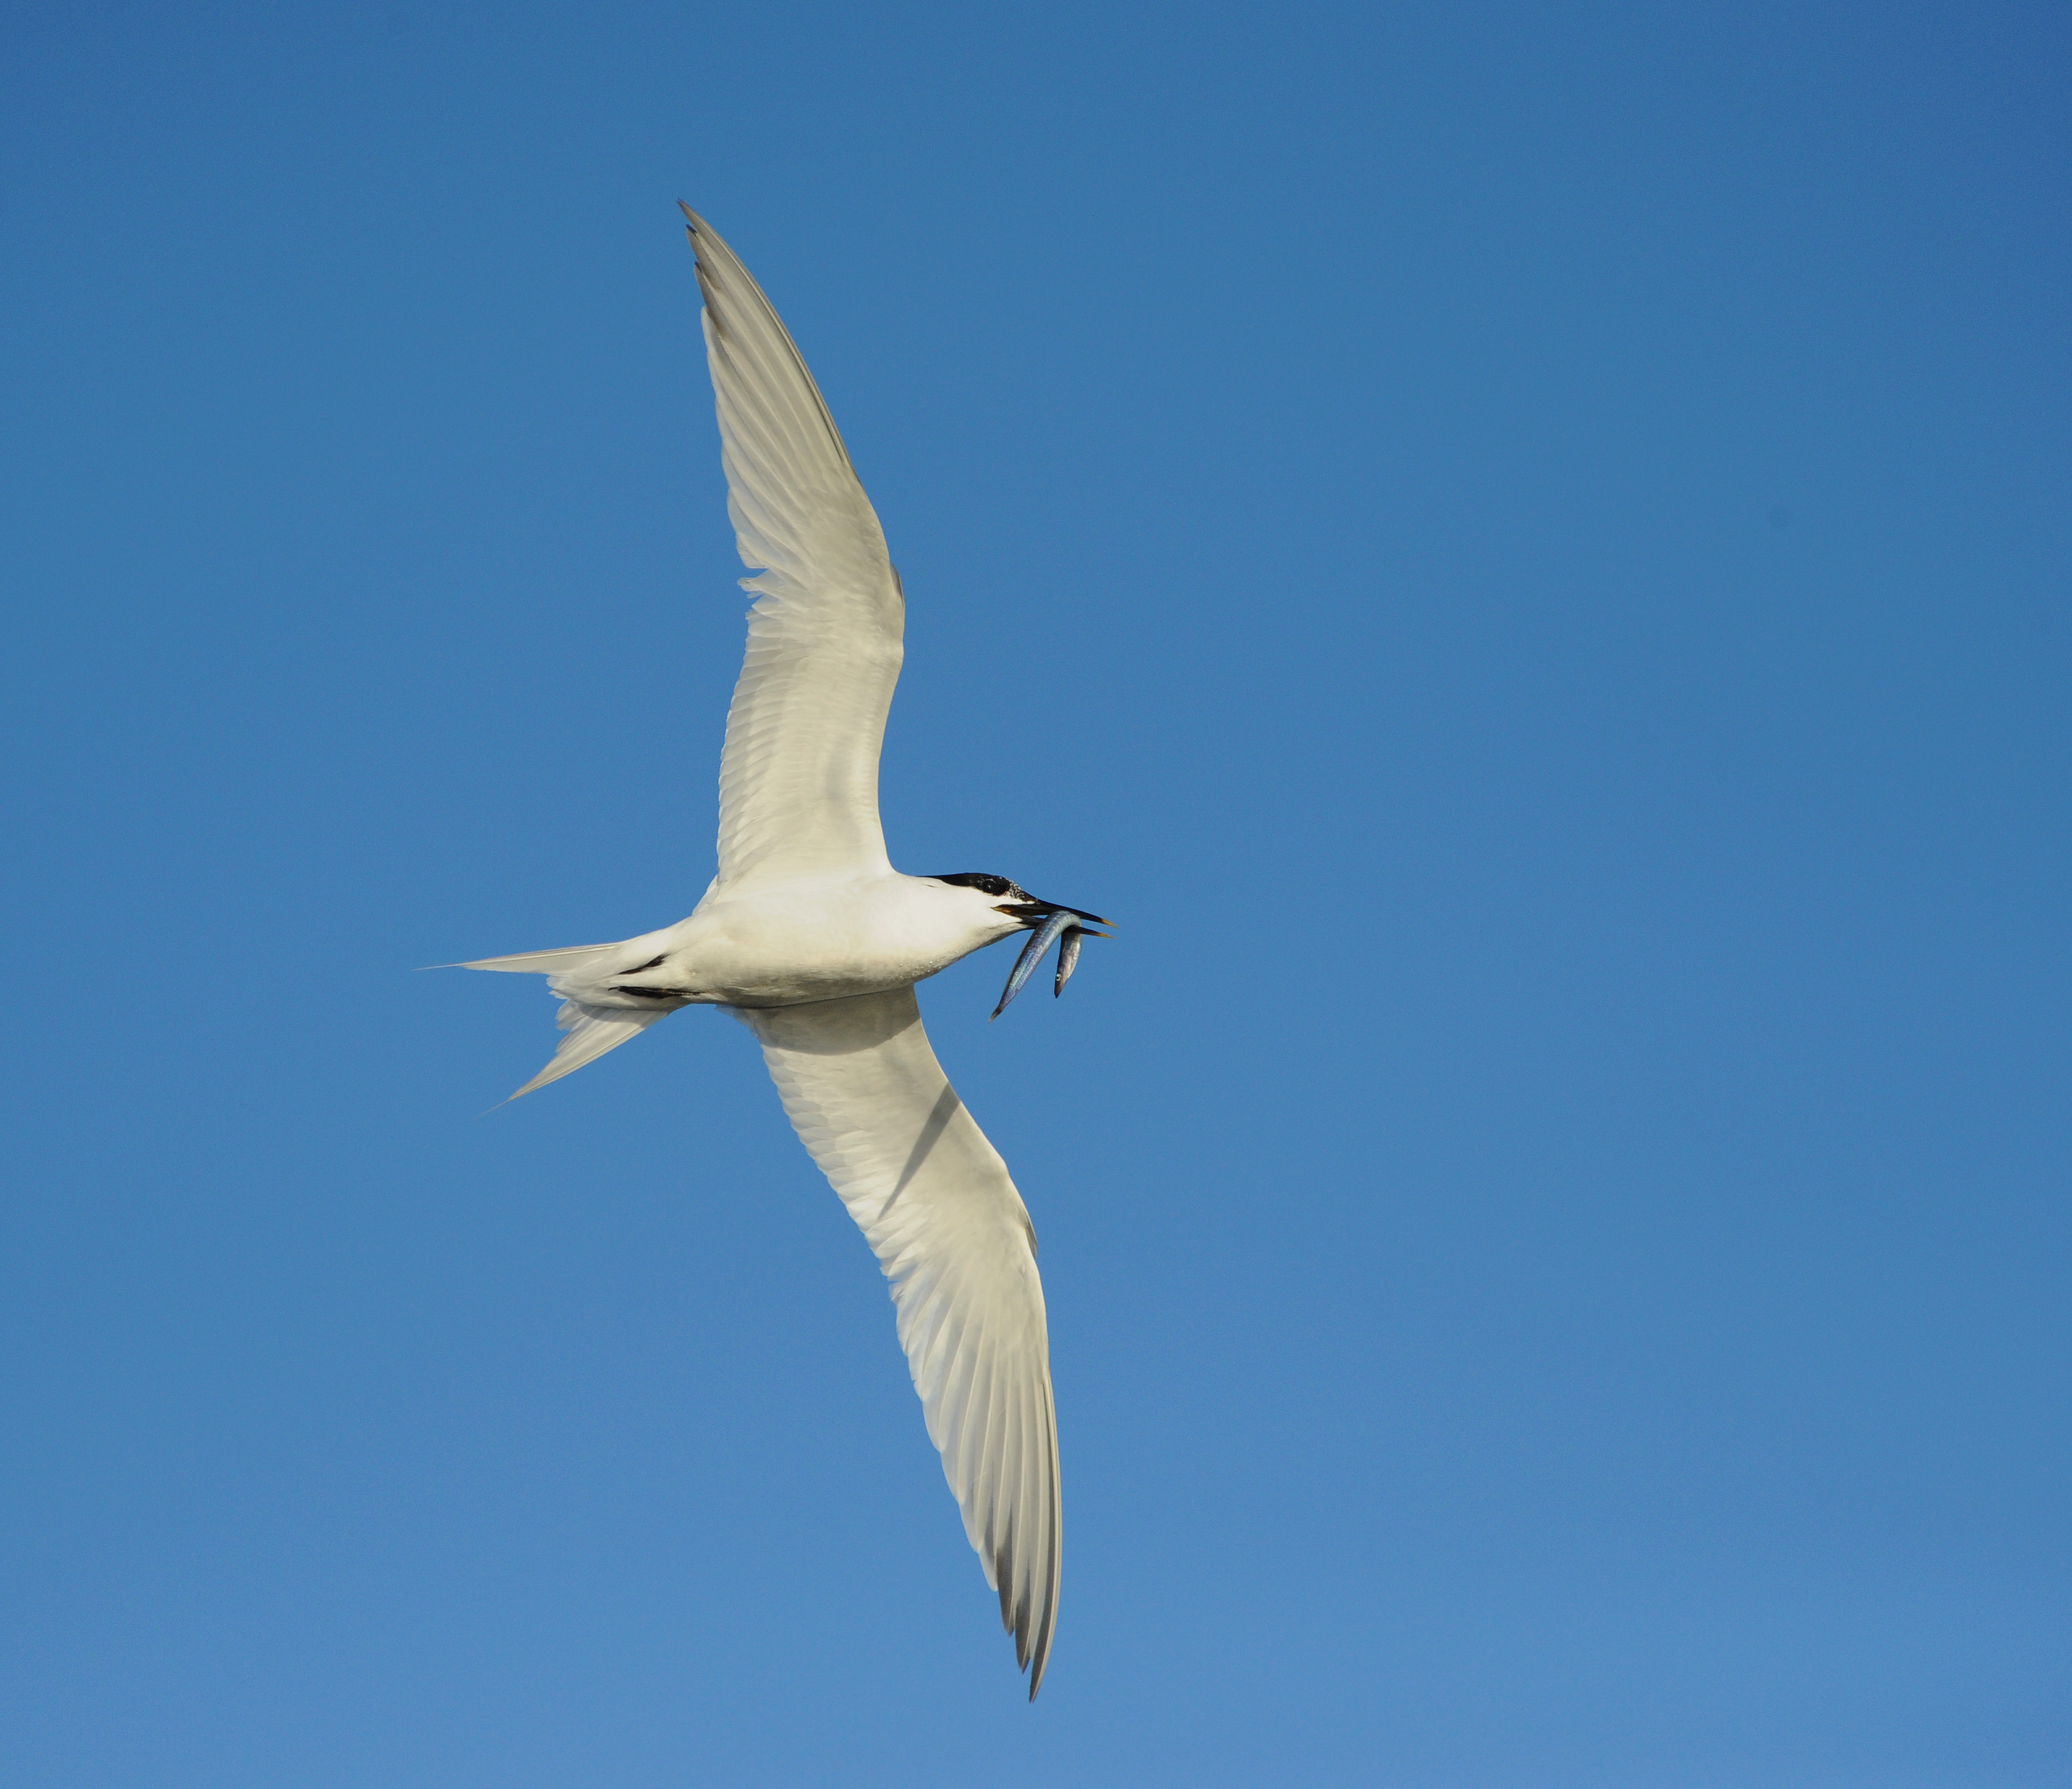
(1053, 1544)
(1009, 1494)
(710, 249)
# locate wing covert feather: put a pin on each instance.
(798, 774)
(874, 1108)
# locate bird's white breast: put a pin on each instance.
(819, 938)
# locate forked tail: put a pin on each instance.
(588, 1030)
(542, 963)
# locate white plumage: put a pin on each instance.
(875, 1110)
(810, 936)
(798, 778)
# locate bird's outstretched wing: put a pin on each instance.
(798, 780)
(873, 1106)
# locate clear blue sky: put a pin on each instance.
(1520, 550)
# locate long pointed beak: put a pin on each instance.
(1033, 912)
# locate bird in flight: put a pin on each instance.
(810, 938)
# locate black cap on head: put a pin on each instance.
(993, 885)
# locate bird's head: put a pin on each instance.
(1001, 907)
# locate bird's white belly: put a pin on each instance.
(809, 940)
